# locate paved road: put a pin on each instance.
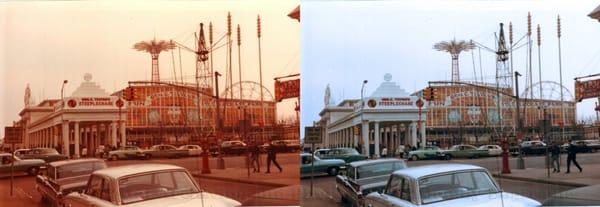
(25, 194)
(325, 194)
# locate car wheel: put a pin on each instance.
(475, 156)
(148, 156)
(333, 171)
(114, 157)
(448, 157)
(414, 158)
(33, 171)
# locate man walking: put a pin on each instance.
(571, 157)
(554, 157)
(272, 157)
(254, 158)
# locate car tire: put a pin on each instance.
(148, 156)
(475, 157)
(447, 157)
(414, 158)
(33, 171)
(333, 171)
(114, 157)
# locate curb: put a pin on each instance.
(538, 180)
(252, 182)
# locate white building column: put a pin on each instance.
(377, 138)
(55, 136)
(77, 139)
(113, 131)
(123, 135)
(423, 135)
(413, 129)
(65, 138)
(365, 137)
(354, 138)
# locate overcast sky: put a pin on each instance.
(43, 43)
(344, 43)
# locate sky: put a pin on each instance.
(344, 43)
(44, 43)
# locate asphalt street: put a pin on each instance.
(25, 195)
(325, 194)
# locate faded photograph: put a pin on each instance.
(149, 103)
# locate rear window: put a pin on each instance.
(77, 169)
(379, 169)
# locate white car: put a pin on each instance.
(493, 150)
(444, 185)
(145, 185)
(193, 150)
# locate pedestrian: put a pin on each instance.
(407, 150)
(254, 158)
(384, 152)
(400, 151)
(272, 157)
(572, 157)
(554, 157)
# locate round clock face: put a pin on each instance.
(372, 103)
(119, 103)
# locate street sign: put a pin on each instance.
(587, 89)
(312, 135)
(287, 89)
(13, 135)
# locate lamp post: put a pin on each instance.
(520, 161)
(62, 119)
(362, 107)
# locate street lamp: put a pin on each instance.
(362, 107)
(62, 99)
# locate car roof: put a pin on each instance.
(121, 171)
(368, 162)
(66, 162)
(426, 170)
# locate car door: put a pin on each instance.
(398, 193)
(5, 162)
(97, 193)
(305, 167)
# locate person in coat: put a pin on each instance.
(572, 157)
(272, 157)
(555, 157)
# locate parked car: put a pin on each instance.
(590, 145)
(20, 152)
(463, 151)
(99, 152)
(64, 177)
(145, 185)
(164, 151)
(429, 152)
(288, 145)
(347, 154)
(533, 147)
(364, 177)
(20, 166)
(584, 196)
(192, 149)
(329, 166)
(235, 147)
(46, 154)
(493, 150)
(444, 185)
(127, 152)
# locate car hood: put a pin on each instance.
(191, 200)
(496, 199)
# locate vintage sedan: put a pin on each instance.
(346, 154)
(46, 154)
(192, 149)
(164, 151)
(364, 177)
(330, 166)
(533, 148)
(235, 147)
(444, 185)
(493, 150)
(288, 145)
(145, 185)
(30, 166)
(463, 151)
(127, 152)
(429, 152)
(64, 177)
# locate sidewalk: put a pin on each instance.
(589, 176)
(289, 176)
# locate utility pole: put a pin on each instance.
(562, 104)
(220, 161)
(520, 161)
(262, 104)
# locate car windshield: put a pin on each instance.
(349, 151)
(78, 169)
(47, 151)
(155, 185)
(455, 185)
(378, 169)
